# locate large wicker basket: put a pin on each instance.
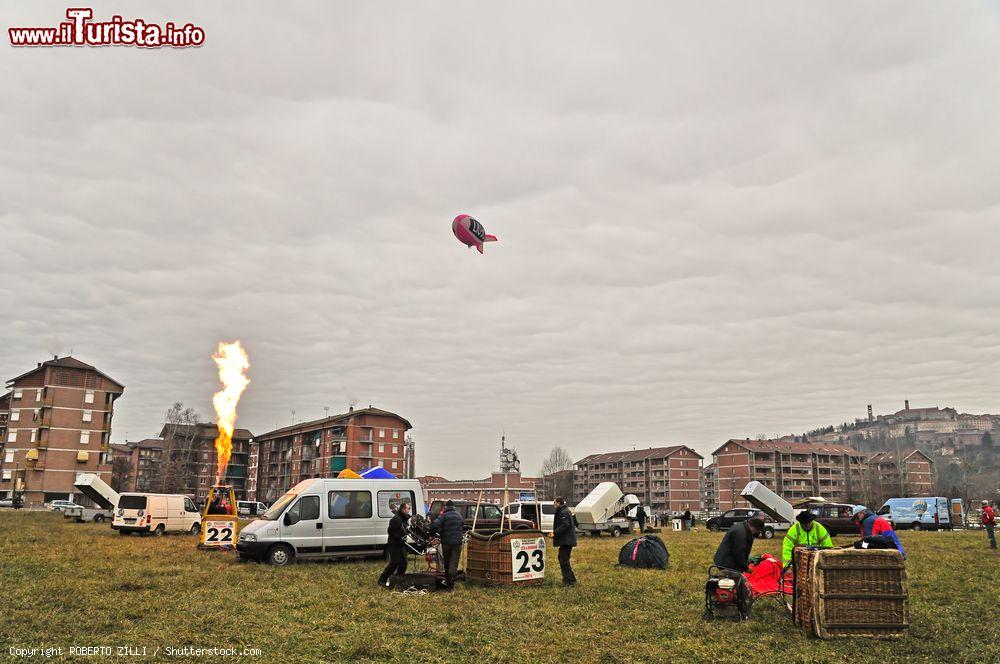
(851, 592)
(488, 558)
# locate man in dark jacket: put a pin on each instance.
(564, 537)
(640, 516)
(394, 547)
(734, 550)
(449, 528)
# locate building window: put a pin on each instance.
(381, 447)
(38, 394)
(15, 415)
(6, 475)
(201, 481)
(17, 394)
(84, 437)
(395, 433)
(32, 436)
(381, 433)
(88, 396)
(9, 458)
(395, 449)
(393, 465)
(12, 436)
(88, 415)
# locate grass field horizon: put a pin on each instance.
(68, 584)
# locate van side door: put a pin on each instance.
(302, 527)
(350, 523)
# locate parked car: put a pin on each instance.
(528, 511)
(59, 505)
(488, 520)
(835, 517)
(16, 503)
(155, 513)
(328, 518)
(726, 520)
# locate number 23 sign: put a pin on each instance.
(527, 558)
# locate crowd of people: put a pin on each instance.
(733, 553)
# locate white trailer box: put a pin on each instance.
(599, 506)
(93, 487)
(769, 502)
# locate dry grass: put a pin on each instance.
(81, 584)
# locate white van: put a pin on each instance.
(529, 512)
(250, 509)
(155, 513)
(328, 518)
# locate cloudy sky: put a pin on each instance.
(715, 220)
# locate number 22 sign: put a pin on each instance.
(527, 558)
(218, 533)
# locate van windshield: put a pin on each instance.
(278, 507)
(132, 503)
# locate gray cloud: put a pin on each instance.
(715, 219)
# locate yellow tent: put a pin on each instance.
(348, 474)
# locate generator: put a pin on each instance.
(727, 595)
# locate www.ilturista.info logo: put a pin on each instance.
(80, 30)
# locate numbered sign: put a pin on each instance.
(527, 558)
(218, 532)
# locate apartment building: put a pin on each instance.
(907, 473)
(358, 439)
(187, 462)
(491, 489)
(792, 470)
(138, 466)
(58, 425)
(710, 488)
(666, 479)
(4, 413)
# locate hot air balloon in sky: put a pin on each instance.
(470, 232)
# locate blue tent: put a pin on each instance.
(378, 473)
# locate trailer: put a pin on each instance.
(93, 487)
(779, 512)
(606, 510)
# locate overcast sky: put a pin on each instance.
(715, 220)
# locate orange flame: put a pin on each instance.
(233, 362)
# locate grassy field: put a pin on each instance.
(67, 584)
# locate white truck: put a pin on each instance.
(93, 487)
(606, 510)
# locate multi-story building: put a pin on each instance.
(143, 465)
(59, 424)
(892, 477)
(710, 488)
(187, 461)
(559, 483)
(358, 439)
(4, 413)
(666, 479)
(792, 470)
(490, 489)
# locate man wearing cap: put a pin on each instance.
(807, 531)
(873, 526)
(989, 520)
(734, 549)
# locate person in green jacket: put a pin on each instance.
(806, 532)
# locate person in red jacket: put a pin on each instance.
(989, 519)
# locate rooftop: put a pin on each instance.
(635, 455)
(65, 363)
(332, 419)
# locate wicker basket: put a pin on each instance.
(488, 558)
(851, 592)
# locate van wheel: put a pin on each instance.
(124, 533)
(768, 533)
(196, 529)
(280, 555)
(917, 526)
(159, 531)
